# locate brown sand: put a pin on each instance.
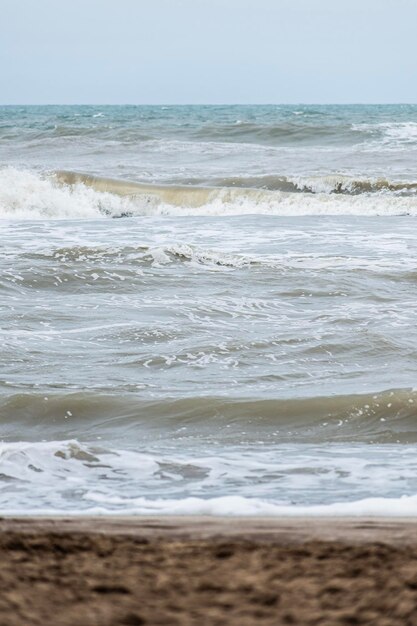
(207, 571)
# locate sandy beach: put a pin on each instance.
(198, 570)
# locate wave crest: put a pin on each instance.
(26, 194)
(68, 195)
(383, 417)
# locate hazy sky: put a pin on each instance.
(208, 51)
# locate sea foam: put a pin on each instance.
(26, 194)
(73, 478)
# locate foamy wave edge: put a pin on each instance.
(20, 458)
(233, 506)
(29, 195)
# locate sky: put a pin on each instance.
(208, 51)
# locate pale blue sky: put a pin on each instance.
(208, 51)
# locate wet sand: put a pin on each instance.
(129, 571)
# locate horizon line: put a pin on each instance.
(213, 104)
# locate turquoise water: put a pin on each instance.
(205, 144)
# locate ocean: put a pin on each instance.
(208, 310)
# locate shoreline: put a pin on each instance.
(298, 529)
(115, 570)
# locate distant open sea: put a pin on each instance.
(208, 310)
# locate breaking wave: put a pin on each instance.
(67, 195)
(331, 184)
(27, 194)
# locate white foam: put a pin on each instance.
(405, 506)
(294, 204)
(67, 476)
(28, 195)
(393, 135)
(233, 506)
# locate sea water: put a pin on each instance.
(208, 310)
